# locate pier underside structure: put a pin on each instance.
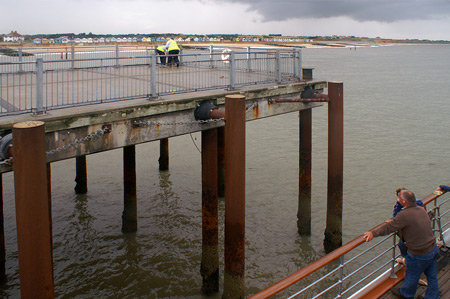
(83, 130)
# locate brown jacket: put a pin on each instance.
(414, 226)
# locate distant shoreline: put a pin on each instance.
(142, 45)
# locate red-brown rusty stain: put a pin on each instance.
(255, 111)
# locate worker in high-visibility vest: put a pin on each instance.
(173, 50)
(161, 51)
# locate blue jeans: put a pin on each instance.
(415, 266)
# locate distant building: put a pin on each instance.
(14, 37)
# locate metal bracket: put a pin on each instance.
(107, 128)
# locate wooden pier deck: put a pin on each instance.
(443, 277)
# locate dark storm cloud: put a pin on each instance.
(360, 10)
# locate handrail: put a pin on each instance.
(323, 261)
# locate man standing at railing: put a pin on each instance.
(173, 50)
(414, 228)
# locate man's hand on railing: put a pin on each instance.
(368, 236)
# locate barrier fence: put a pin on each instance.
(45, 84)
(358, 268)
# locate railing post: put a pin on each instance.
(232, 70)
(211, 56)
(117, 56)
(299, 65)
(34, 238)
(278, 65)
(39, 86)
(249, 63)
(341, 274)
(153, 76)
(20, 59)
(393, 275)
(181, 54)
(72, 51)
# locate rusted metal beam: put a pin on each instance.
(304, 181)
(210, 219)
(164, 154)
(81, 175)
(32, 210)
(129, 215)
(333, 231)
(234, 283)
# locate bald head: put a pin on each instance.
(408, 196)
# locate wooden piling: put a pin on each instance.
(2, 236)
(333, 231)
(129, 216)
(81, 175)
(234, 282)
(221, 160)
(210, 219)
(32, 211)
(304, 182)
(164, 154)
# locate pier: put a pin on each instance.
(72, 108)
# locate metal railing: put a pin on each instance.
(41, 85)
(356, 267)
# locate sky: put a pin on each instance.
(395, 19)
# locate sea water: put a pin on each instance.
(396, 124)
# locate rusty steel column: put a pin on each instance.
(304, 175)
(234, 280)
(32, 211)
(221, 160)
(129, 216)
(210, 219)
(2, 236)
(50, 217)
(333, 230)
(81, 175)
(164, 154)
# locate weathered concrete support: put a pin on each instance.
(304, 175)
(210, 219)
(164, 154)
(129, 216)
(221, 160)
(234, 280)
(32, 211)
(2, 236)
(333, 231)
(81, 175)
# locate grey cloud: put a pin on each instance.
(360, 10)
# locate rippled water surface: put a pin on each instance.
(396, 103)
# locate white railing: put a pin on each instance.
(37, 86)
